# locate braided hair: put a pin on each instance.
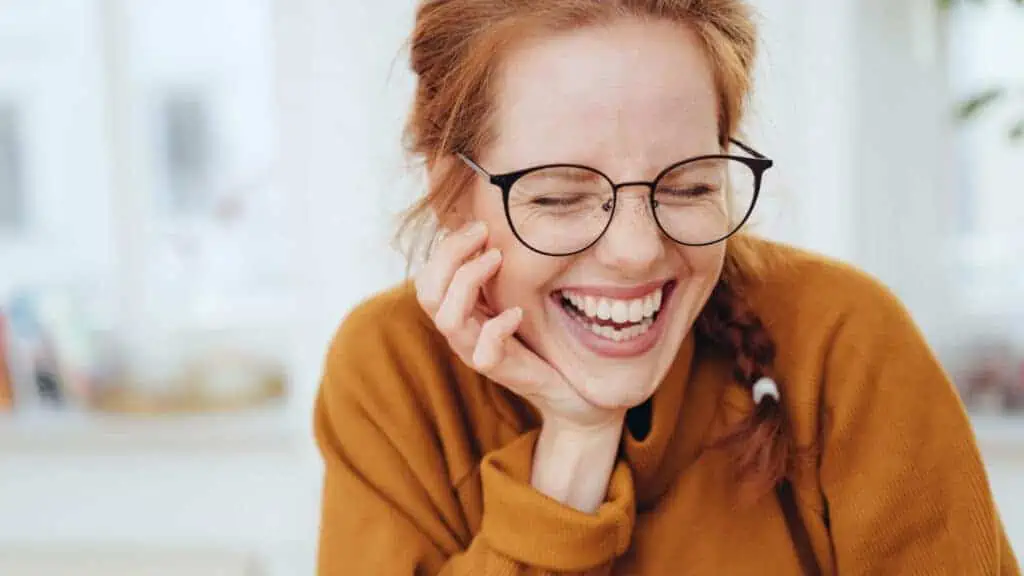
(761, 444)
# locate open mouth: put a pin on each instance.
(617, 320)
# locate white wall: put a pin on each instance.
(342, 91)
(50, 71)
(801, 116)
(903, 169)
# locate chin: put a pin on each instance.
(618, 392)
(616, 351)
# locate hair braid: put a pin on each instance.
(761, 444)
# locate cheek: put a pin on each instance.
(485, 206)
(703, 265)
(524, 277)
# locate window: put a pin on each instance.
(157, 238)
(12, 178)
(185, 143)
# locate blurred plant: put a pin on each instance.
(975, 105)
(945, 4)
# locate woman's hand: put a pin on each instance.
(578, 442)
(449, 289)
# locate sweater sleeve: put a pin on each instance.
(389, 504)
(901, 471)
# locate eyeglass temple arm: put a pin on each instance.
(476, 167)
(747, 149)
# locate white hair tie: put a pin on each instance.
(765, 387)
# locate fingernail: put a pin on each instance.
(493, 255)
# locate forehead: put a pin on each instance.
(628, 98)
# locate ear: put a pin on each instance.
(460, 212)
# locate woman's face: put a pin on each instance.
(628, 99)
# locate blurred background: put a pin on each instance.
(193, 193)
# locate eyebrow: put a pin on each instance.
(569, 173)
(702, 168)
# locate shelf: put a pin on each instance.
(272, 430)
(61, 432)
(56, 560)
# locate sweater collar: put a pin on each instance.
(681, 411)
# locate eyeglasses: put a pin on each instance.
(564, 209)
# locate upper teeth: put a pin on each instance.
(618, 311)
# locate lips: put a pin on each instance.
(615, 325)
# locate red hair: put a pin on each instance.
(455, 51)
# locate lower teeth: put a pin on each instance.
(621, 334)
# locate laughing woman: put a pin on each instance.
(594, 371)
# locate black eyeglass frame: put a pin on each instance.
(758, 165)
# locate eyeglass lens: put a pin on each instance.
(562, 210)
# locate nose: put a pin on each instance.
(633, 244)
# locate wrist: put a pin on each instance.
(573, 464)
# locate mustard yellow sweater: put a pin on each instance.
(428, 463)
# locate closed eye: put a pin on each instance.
(689, 192)
(557, 200)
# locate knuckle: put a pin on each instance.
(464, 276)
(489, 331)
(427, 299)
(489, 348)
(423, 283)
(445, 322)
(442, 252)
(466, 272)
(483, 360)
(484, 366)
(454, 246)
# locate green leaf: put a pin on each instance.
(947, 4)
(977, 104)
(1016, 132)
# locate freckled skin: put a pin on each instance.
(629, 98)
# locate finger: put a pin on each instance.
(494, 336)
(464, 294)
(432, 282)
